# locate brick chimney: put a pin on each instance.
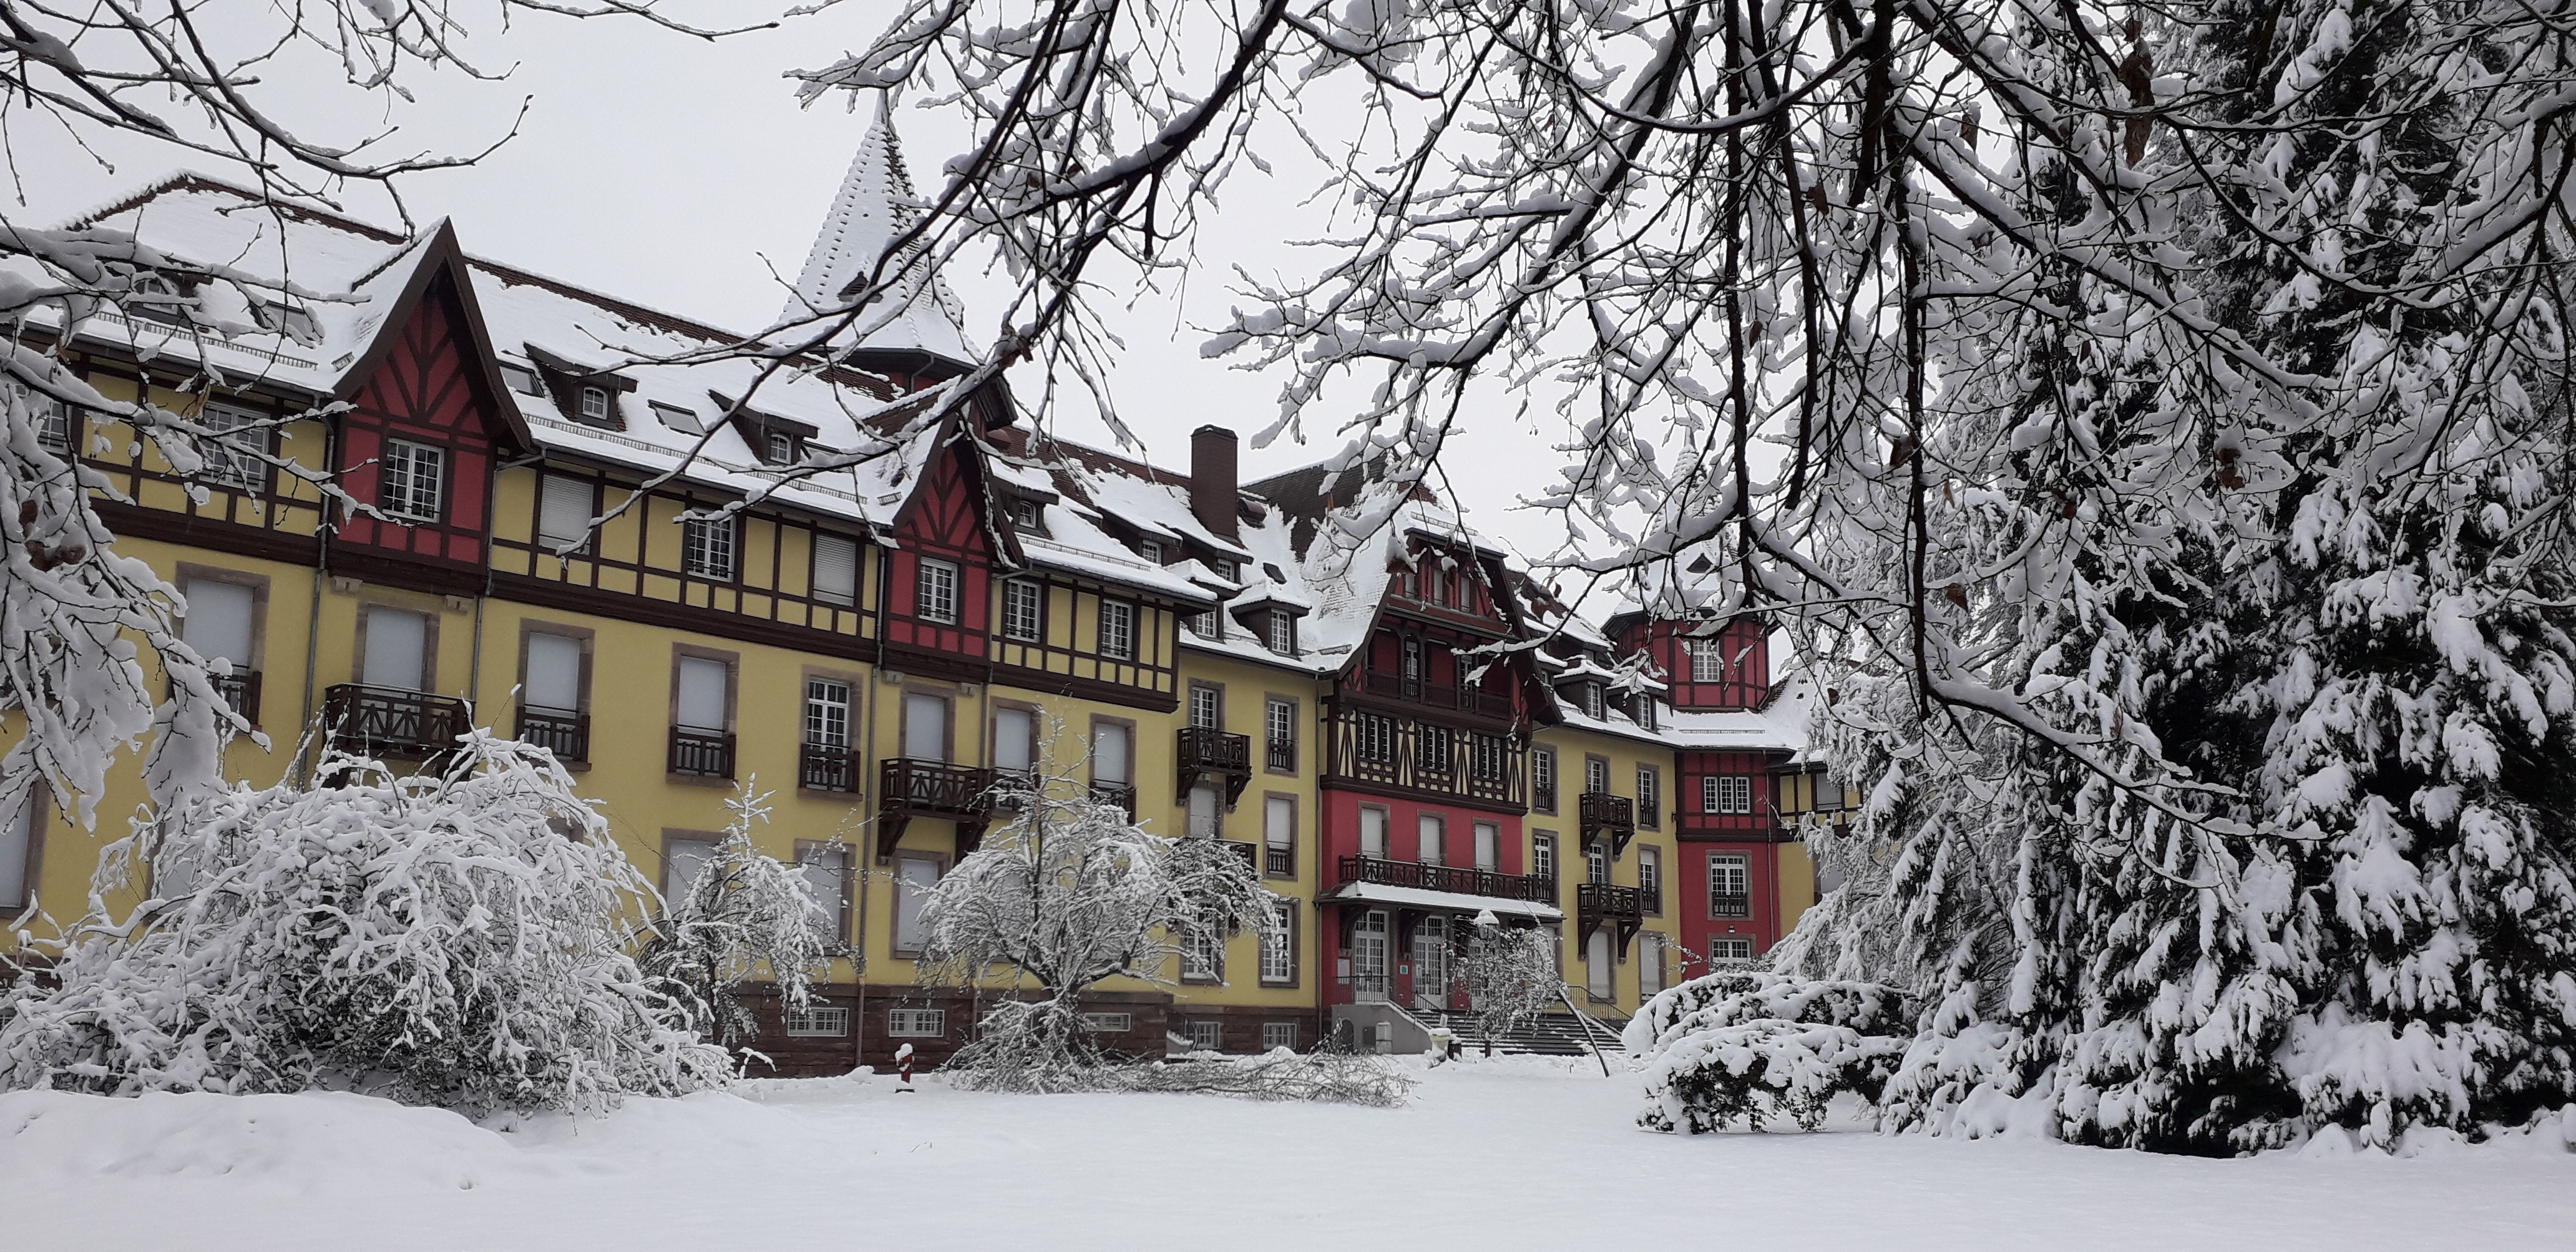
(1213, 499)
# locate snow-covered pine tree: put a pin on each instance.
(457, 938)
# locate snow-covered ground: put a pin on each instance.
(1521, 1154)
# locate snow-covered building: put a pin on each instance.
(875, 643)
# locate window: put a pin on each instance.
(1206, 1035)
(1117, 630)
(221, 624)
(1728, 886)
(1432, 828)
(706, 548)
(1487, 757)
(1724, 949)
(1591, 693)
(1543, 779)
(53, 418)
(1596, 863)
(1412, 666)
(1707, 660)
(1109, 744)
(1205, 822)
(594, 405)
(1203, 959)
(836, 569)
(414, 476)
(782, 448)
(1372, 832)
(1376, 735)
(1279, 724)
(550, 687)
(1024, 516)
(1650, 878)
(934, 591)
(1023, 610)
(1650, 795)
(925, 726)
(1431, 755)
(683, 420)
(22, 840)
(818, 1021)
(1279, 837)
(564, 510)
(1543, 856)
(705, 685)
(827, 713)
(521, 379)
(1015, 740)
(1282, 634)
(916, 1023)
(1434, 585)
(1598, 973)
(1151, 550)
(826, 871)
(1650, 965)
(682, 861)
(1596, 775)
(1208, 625)
(1224, 568)
(1489, 846)
(397, 652)
(1726, 793)
(915, 878)
(1207, 706)
(1645, 713)
(1109, 1023)
(1275, 1035)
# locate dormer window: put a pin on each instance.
(287, 320)
(156, 299)
(1208, 625)
(1645, 711)
(1283, 633)
(1150, 550)
(1589, 694)
(1024, 516)
(594, 405)
(521, 379)
(782, 448)
(53, 418)
(1433, 587)
(1224, 568)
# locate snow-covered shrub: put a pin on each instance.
(1323, 1076)
(1068, 893)
(1511, 976)
(1751, 1047)
(745, 913)
(457, 939)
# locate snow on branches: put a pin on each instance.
(457, 938)
(1069, 892)
(744, 913)
(1511, 976)
(1751, 1047)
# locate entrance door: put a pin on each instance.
(1596, 966)
(397, 649)
(1368, 958)
(1431, 964)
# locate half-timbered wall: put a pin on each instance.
(276, 516)
(943, 522)
(427, 390)
(1744, 644)
(1761, 823)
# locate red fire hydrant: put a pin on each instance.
(903, 1058)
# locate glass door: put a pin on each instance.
(1431, 964)
(1368, 958)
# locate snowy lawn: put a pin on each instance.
(1518, 1154)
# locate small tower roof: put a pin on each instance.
(875, 206)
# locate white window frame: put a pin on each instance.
(1278, 1035)
(916, 1023)
(822, 728)
(401, 494)
(1726, 793)
(1730, 948)
(1650, 794)
(1023, 610)
(1543, 855)
(1707, 660)
(1278, 945)
(1108, 1023)
(817, 1021)
(1725, 868)
(1212, 699)
(836, 595)
(1118, 644)
(934, 590)
(1206, 1034)
(707, 548)
(1203, 959)
(593, 404)
(1282, 635)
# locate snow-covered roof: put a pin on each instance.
(1779, 725)
(873, 209)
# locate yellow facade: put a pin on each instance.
(1649, 852)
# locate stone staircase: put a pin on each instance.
(1547, 1034)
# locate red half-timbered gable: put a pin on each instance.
(1736, 675)
(943, 521)
(431, 384)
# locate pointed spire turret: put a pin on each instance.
(875, 206)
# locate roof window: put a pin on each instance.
(594, 405)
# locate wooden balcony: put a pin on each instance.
(1598, 903)
(1207, 750)
(1279, 862)
(827, 767)
(564, 732)
(1282, 755)
(1601, 815)
(1451, 878)
(1475, 700)
(240, 689)
(392, 722)
(697, 753)
(908, 788)
(1250, 852)
(1119, 794)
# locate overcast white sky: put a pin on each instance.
(678, 173)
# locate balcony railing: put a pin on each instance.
(1283, 755)
(1730, 906)
(1207, 750)
(911, 787)
(561, 731)
(827, 767)
(1543, 797)
(701, 753)
(1251, 853)
(389, 721)
(1120, 794)
(1602, 815)
(1475, 700)
(1279, 862)
(1450, 878)
(1600, 899)
(240, 689)
(1652, 899)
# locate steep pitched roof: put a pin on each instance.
(875, 206)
